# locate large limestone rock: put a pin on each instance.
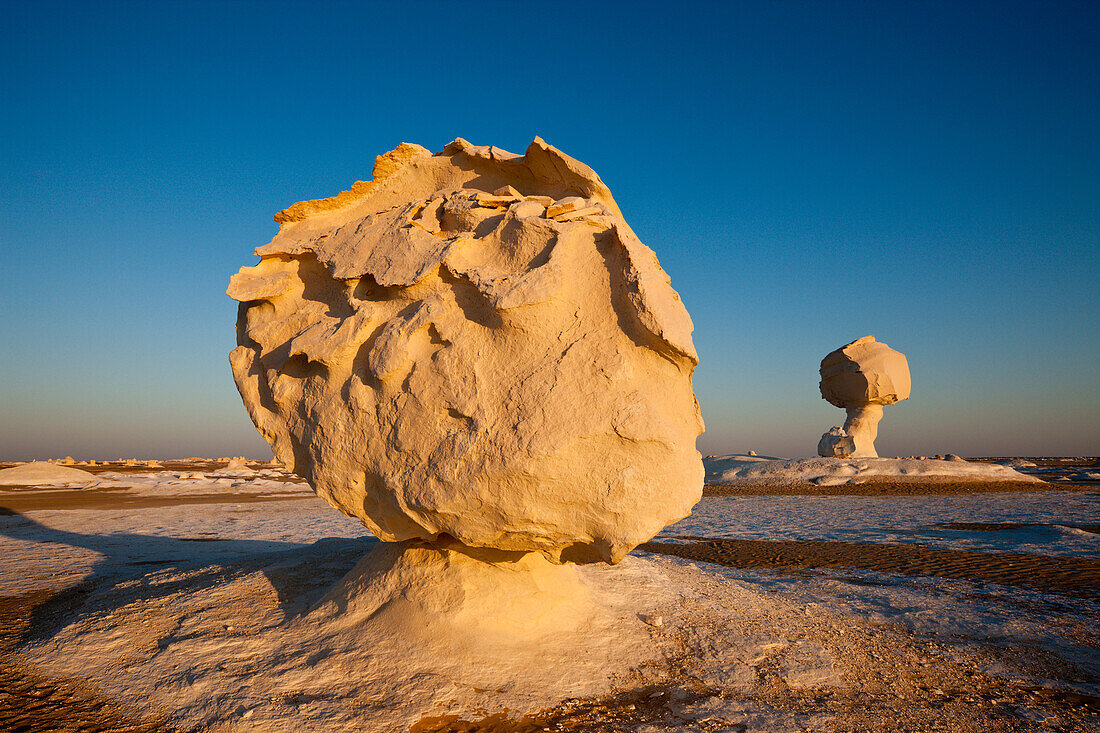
(861, 378)
(475, 346)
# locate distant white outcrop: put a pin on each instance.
(40, 473)
(822, 471)
(861, 378)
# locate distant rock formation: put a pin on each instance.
(475, 348)
(861, 378)
(41, 473)
(237, 464)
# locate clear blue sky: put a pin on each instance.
(807, 172)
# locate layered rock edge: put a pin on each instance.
(475, 346)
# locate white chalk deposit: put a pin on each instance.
(475, 346)
(39, 473)
(746, 469)
(861, 378)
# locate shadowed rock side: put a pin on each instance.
(476, 346)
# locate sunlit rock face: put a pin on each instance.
(475, 346)
(861, 378)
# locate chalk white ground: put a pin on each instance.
(1049, 517)
(209, 613)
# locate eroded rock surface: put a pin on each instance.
(861, 378)
(476, 346)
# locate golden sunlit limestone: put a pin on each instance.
(861, 378)
(443, 358)
(384, 165)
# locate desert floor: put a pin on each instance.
(888, 606)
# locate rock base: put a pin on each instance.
(463, 601)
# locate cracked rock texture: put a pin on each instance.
(474, 346)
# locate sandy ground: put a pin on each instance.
(31, 701)
(19, 500)
(893, 695)
(888, 682)
(1078, 577)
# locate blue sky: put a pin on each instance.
(807, 173)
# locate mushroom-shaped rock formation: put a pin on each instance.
(475, 350)
(861, 378)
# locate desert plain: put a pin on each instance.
(158, 597)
